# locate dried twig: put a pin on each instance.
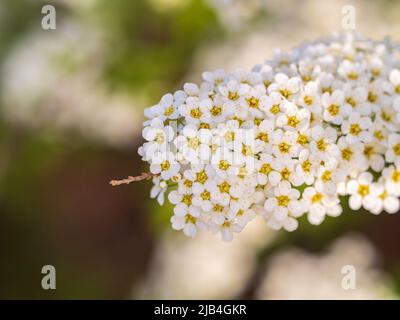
(143, 176)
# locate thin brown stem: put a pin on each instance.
(143, 176)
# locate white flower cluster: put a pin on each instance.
(286, 139)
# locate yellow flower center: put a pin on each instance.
(275, 109)
(188, 183)
(226, 224)
(233, 95)
(242, 172)
(293, 121)
(204, 125)
(240, 213)
(190, 219)
(265, 168)
(396, 176)
(263, 136)
(327, 89)
(351, 101)
(372, 97)
(284, 147)
(216, 111)
(285, 173)
(201, 176)
(218, 208)
(386, 116)
(368, 151)
(205, 195)
(230, 136)
(397, 89)
(165, 165)
(160, 138)
(347, 153)
(378, 134)
(285, 93)
(383, 195)
(224, 187)
(246, 150)
(308, 100)
(317, 197)
(193, 143)
(333, 109)
(326, 176)
(322, 145)
(283, 201)
(187, 199)
(352, 75)
(196, 113)
(302, 139)
(223, 165)
(306, 165)
(363, 190)
(396, 149)
(253, 102)
(376, 72)
(168, 111)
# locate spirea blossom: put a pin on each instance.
(289, 138)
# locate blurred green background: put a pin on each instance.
(71, 103)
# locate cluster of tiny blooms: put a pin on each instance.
(295, 136)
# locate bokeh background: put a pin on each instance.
(71, 108)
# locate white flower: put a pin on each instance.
(217, 77)
(351, 71)
(165, 164)
(293, 118)
(158, 190)
(307, 166)
(158, 138)
(310, 97)
(227, 228)
(356, 128)
(286, 86)
(391, 175)
(271, 104)
(373, 153)
(283, 144)
(356, 99)
(187, 221)
(194, 145)
(334, 107)
(169, 106)
(323, 142)
(264, 168)
(284, 170)
(240, 214)
(361, 191)
(394, 78)
(384, 200)
(352, 156)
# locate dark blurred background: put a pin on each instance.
(71, 106)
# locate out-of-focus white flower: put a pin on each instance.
(50, 80)
(297, 274)
(195, 269)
